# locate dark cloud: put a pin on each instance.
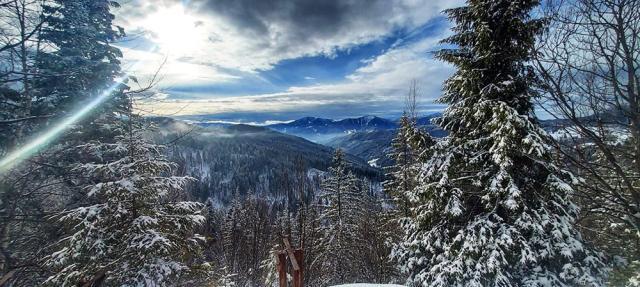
(299, 16)
(252, 35)
(283, 24)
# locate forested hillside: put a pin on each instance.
(241, 160)
(373, 146)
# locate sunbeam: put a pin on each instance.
(20, 154)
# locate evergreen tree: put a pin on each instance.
(340, 207)
(45, 72)
(378, 234)
(82, 63)
(231, 235)
(406, 148)
(133, 231)
(402, 174)
(491, 207)
(246, 239)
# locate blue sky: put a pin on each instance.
(246, 61)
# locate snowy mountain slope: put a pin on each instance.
(375, 145)
(322, 130)
(370, 145)
(244, 159)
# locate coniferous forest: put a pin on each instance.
(521, 168)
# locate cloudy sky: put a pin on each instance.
(259, 61)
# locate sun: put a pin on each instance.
(174, 30)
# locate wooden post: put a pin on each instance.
(296, 258)
(298, 275)
(282, 268)
(292, 257)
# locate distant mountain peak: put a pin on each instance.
(370, 117)
(306, 121)
(322, 129)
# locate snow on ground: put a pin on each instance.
(368, 285)
(615, 134)
(373, 162)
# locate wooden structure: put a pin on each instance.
(296, 257)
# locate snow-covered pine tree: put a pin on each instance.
(246, 237)
(406, 148)
(269, 267)
(312, 234)
(402, 174)
(410, 146)
(491, 207)
(341, 204)
(80, 63)
(232, 234)
(378, 230)
(133, 231)
(257, 230)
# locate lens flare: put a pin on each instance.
(36, 144)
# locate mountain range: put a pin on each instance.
(367, 137)
(324, 131)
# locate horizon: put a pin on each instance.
(205, 118)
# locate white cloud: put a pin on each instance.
(171, 71)
(380, 84)
(249, 35)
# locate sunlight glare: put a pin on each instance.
(39, 142)
(175, 30)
